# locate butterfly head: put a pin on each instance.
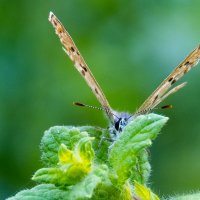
(120, 121)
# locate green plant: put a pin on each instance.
(75, 167)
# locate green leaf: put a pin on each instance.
(68, 154)
(144, 193)
(142, 168)
(99, 144)
(126, 153)
(41, 192)
(195, 196)
(85, 189)
(69, 136)
(73, 165)
(56, 136)
(106, 189)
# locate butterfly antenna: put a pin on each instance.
(148, 110)
(89, 106)
(85, 105)
(166, 107)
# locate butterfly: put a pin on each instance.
(119, 120)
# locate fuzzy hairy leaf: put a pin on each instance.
(142, 168)
(72, 167)
(100, 145)
(195, 196)
(71, 173)
(85, 189)
(41, 192)
(69, 136)
(125, 154)
(56, 136)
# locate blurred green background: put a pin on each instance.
(131, 46)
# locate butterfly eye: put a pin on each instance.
(121, 123)
(117, 124)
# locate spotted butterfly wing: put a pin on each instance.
(163, 91)
(79, 63)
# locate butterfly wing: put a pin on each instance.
(163, 89)
(79, 63)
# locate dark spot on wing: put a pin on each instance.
(156, 97)
(60, 30)
(83, 72)
(174, 81)
(170, 79)
(52, 15)
(96, 91)
(72, 49)
(78, 53)
(55, 23)
(83, 67)
(180, 66)
(187, 63)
